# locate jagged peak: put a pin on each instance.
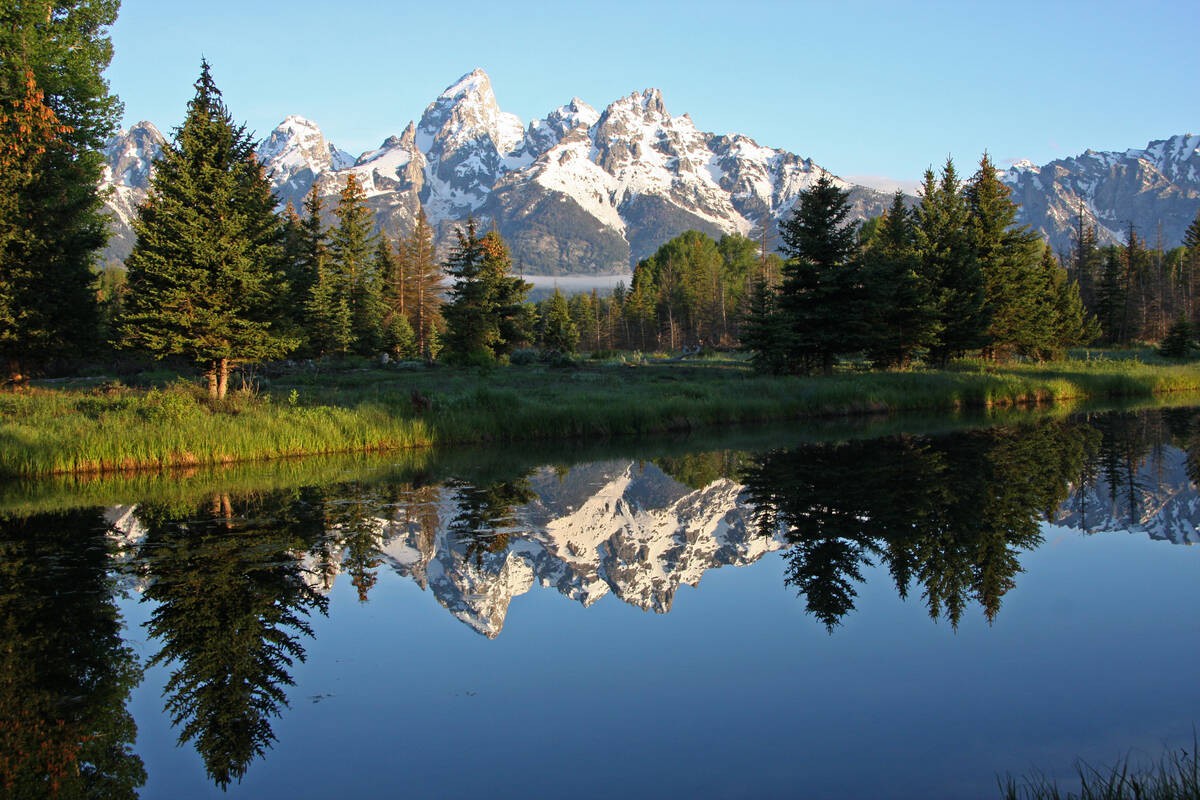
(408, 138)
(475, 82)
(147, 127)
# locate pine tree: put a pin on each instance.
(351, 250)
(424, 285)
(398, 336)
(558, 330)
(1179, 341)
(326, 304)
(1071, 324)
(821, 293)
(1191, 267)
(1008, 257)
(764, 329)
(901, 310)
(1085, 260)
(485, 320)
(948, 264)
(1111, 292)
(206, 274)
(55, 114)
(295, 253)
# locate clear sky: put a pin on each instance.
(863, 88)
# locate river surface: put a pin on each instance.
(896, 610)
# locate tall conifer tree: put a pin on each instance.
(55, 113)
(425, 284)
(207, 274)
(948, 263)
(902, 310)
(351, 250)
(821, 292)
(485, 320)
(1008, 257)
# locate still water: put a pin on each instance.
(820, 613)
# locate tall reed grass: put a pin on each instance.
(113, 428)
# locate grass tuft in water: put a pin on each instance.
(1176, 776)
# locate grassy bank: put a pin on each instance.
(105, 427)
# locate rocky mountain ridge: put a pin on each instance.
(1155, 188)
(582, 191)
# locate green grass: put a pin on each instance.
(104, 428)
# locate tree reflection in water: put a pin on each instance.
(65, 673)
(231, 608)
(948, 514)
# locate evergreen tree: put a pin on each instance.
(764, 330)
(424, 284)
(1069, 321)
(295, 253)
(821, 294)
(55, 114)
(1179, 341)
(948, 264)
(1008, 257)
(558, 331)
(484, 318)
(351, 250)
(1191, 267)
(584, 309)
(1085, 261)
(326, 304)
(398, 336)
(206, 274)
(1111, 294)
(902, 319)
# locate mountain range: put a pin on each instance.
(585, 192)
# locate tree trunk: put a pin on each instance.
(211, 377)
(222, 378)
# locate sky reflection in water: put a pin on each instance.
(304, 639)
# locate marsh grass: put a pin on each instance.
(109, 427)
(1176, 776)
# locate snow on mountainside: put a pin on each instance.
(579, 191)
(295, 154)
(128, 158)
(1158, 185)
(591, 192)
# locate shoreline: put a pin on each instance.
(103, 430)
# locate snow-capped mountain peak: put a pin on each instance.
(295, 153)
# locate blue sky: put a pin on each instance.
(862, 88)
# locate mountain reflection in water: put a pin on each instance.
(234, 580)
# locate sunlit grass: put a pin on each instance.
(105, 428)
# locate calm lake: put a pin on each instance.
(885, 609)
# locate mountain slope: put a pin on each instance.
(1158, 185)
(578, 191)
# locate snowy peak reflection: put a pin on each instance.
(613, 527)
(1142, 477)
